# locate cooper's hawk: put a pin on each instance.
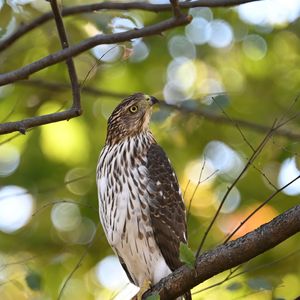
(141, 206)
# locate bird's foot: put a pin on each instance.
(145, 286)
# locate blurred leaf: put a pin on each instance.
(187, 255)
(34, 280)
(234, 286)
(153, 297)
(259, 284)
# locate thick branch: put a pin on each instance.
(59, 56)
(114, 6)
(210, 116)
(229, 255)
(23, 125)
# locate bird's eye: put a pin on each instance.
(133, 109)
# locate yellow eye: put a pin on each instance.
(133, 109)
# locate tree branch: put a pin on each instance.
(229, 255)
(254, 155)
(25, 28)
(209, 116)
(65, 44)
(89, 43)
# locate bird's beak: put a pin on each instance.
(152, 100)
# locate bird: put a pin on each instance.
(141, 206)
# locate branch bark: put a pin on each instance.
(230, 255)
(25, 28)
(26, 71)
(209, 116)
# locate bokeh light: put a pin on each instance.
(180, 46)
(110, 273)
(270, 12)
(107, 53)
(66, 142)
(140, 52)
(16, 207)
(201, 12)
(287, 173)
(9, 159)
(221, 34)
(224, 159)
(232, 201)
(198, 31)
(255, 47)
(65, 216)
(78, 181)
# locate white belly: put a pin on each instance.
(125, 218)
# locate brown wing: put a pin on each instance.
(167, 210)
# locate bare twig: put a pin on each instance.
(76, 267)
(175, 8)
(258, 208)
(78, 264)
(65, 44)
(232, 273)
(230, 255)
(25, 28)
(221, 119)
(237, 125)
(248, 164)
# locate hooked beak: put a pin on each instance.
(152, 100)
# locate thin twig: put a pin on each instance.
(259, 207)
(248, 164)
(233, 274)
(241, 123)
(175, 8)
(228, 256)
(78, 264)
(237, 125)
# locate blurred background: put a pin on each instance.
(240, 63)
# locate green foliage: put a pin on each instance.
(34, 280)
(187, 255)
(254, 80)
(153, 297)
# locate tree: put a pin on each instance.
(229, 123)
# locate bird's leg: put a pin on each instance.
(145, 287)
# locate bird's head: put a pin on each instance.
(130, 117)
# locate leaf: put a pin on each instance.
(259, 284)
(34, 280)
(153, 297)
(234, 286)
(187, 255)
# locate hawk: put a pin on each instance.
(140, 202)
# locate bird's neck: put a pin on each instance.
(145, 137)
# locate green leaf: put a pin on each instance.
(153, 297)
(34, 280)
(234, 286)
(186, 255)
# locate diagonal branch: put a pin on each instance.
(25, 28)
(89, 43)
(229, 189)
(230, 255)
(65, 44)
(66, 53)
